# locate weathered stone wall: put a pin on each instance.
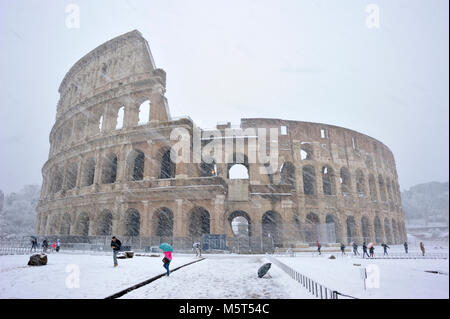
(78, 198)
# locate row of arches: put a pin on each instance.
(103, 119)
(101, 224)
(273, 229)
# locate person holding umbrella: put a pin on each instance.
(167, 249)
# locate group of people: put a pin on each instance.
(45, 245)
(371, 251)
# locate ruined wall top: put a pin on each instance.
(105, 67)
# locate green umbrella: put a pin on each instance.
(166, 247)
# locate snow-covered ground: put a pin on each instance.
(218, 276)
(229, 276)
(398, 278)
(97, 276)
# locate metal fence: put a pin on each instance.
(316, 289)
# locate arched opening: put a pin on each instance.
(119, 120)
(382, 188)
(238, 171)
(287, 174)
(208, 169)
(104, 223)
(109, 173)
(334, 233)
(83, 224)
(65, 224)
(378, 230)
(89, 172)
(132, 222)
(57, 180)
(372, 188)
(199, 223)
(351, 229)
(387, 231)
(135, 164)
(240, 224)
(365, 229)
(311, 231)
(328, 180)
(164, 224)
(388, 189)
(100, 124)
(168, 167)
(272, 230)
(360, 185)
(309, 180)
(238, 168)
(346, 184)
(71, 175)
(306, 152)
(144, 113)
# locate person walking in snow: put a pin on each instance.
(34, 244)
(53, 246)
(385, 247)
(371, 250)
(115, 245)
(58, 245)
(318, 247)
(355, 249)
(422, 248)
(166, 260)
(343, 249)
(406, 247)
(44, 245)
(198, 249)
(365, 250)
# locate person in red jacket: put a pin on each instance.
(53, 246)
(166, 260)
(318, 247)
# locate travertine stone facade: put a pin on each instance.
(105, 174)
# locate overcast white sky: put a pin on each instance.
(304, 60)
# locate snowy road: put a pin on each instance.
(223, 277)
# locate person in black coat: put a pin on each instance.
(115, 245)
(406, 247)
(385, 247)
(343, 249)
(365, 250)
(44, 245)
(355, 249)
(371, 250)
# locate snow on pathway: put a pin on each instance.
(223, 277)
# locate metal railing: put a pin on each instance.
(316, 289)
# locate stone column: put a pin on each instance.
(158, 106)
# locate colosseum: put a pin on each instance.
(110, 172)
